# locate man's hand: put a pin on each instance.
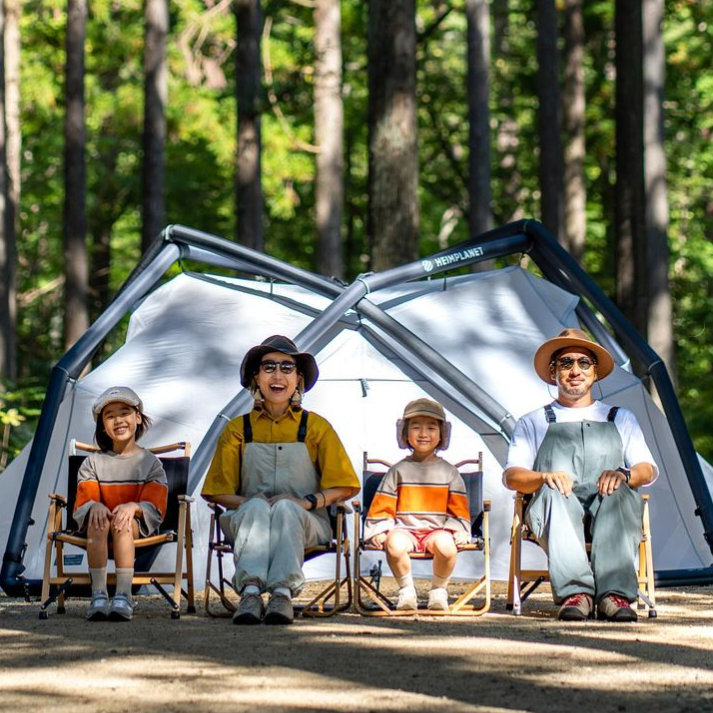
(461, 538)
(378, 541)
(558, 480)
(123, 516)
(609, 481)
(99, 516)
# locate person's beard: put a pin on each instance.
(574, 390)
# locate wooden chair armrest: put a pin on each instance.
(216, 508)
(185, 499)
(356, 505)
(486, 505)
(58, 498)
(645, 496)
(343, 506)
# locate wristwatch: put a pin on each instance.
(312, 500)
(626, 473)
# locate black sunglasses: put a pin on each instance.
(585, 364)
(269, 366)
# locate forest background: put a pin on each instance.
(551, 139)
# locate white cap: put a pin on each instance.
(123, 394)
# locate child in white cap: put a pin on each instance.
(421, 505)
(121, 493)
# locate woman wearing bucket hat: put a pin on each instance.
(583, 460)
(276, 469)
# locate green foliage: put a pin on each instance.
(200, 150)
(20, 406)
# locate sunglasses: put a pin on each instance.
(269, 366)
(566, 363)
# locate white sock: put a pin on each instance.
(439, 582)
(405, 581)
(251, 589)
(98, 577)
(284, 591)
(124, 575)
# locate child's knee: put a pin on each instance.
(442, 544)
(397, 544)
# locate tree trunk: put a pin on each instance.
(155, 97)
(549, 121)
(629, 225)
(248, 76)
(480, 215)
(76, 318)
(660, 311)
(329, 134)
(393, 221)
(573, 106)
(7, 247)
(501, 27)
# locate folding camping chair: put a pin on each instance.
(479, 510)
(176, 527)
(523, 582)
(327, 602)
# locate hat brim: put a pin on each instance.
(306, 364)
(543, 356)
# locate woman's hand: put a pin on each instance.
(461, 538)
(378, 540)
(123, 516)
(299, 501)
(99, 516)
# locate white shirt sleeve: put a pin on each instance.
(523, 446)
(632, 438)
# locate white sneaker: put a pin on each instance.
(122, 607)
(407, 598)
(99, 607)
(438, 599)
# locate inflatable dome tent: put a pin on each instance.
(467, 341)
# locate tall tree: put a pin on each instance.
(573, 107)
(329, 134)
(76, 318)
(630, 219)
(549, 120)
(154, 139)
(393, 221)
(660, 310)
(7, 244)
(248, 83)
(478, 16)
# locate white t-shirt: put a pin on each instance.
(530, 431)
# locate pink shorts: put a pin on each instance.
(420, 538)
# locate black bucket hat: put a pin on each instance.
(306, 363)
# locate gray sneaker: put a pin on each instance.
(122, 608)
(99, 607)
(250, 610)
(279, 610)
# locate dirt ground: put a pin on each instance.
(349, 663)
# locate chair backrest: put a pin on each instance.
(176, 475)
(473, 479)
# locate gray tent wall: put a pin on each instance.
(523, 236)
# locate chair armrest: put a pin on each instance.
(343, 506)
(486, 505)
(216, 508)
(186, 499)
(60, 499)
(356, 505)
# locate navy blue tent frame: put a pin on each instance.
(494, 423)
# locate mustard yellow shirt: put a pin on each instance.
(325, 450)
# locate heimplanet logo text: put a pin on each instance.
(459, 256)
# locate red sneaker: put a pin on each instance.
(615, 608)
(578, 607)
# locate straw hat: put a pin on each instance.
(571, 338)
(306, 363)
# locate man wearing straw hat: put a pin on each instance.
(582, 460)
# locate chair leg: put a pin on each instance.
(178, 574)
(514, 602)
(189, 562)
(47, 573)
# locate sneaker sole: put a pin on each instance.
(246, 619)
(617, 619)
(275, 619)
(116, 616)
(98, 616)
(573, 616)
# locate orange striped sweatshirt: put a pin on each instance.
(419, 496)
(114, 480)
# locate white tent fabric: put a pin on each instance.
(186, 340)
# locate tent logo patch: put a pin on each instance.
(427, 265)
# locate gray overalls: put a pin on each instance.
(584, 450)
(269, 540)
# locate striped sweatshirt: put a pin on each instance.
(419, 496)
(112, 479)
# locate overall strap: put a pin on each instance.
(302, 430)
(247, 428)
(612, 413)
(550, 414)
